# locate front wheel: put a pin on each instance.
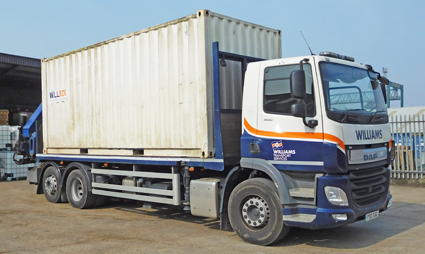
(255, 212)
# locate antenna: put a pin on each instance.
(307, 43)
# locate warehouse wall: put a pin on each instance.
(13, 95)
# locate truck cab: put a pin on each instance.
(320, 123)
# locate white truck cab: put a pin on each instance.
(322, 124)
(344, 106)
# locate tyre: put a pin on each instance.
(51, 185)
(255, 212)
(77, 191)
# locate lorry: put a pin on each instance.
(203, 113)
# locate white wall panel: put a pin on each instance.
(152, 89)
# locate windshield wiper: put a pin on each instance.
(347, 118)
(375, 118)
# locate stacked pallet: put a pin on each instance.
(4, 117)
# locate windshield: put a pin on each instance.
(349, 89)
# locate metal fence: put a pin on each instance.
(408, 132)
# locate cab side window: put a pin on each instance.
(277, 91)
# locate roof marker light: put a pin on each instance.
(335, 55)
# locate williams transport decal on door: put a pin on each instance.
(280, 154)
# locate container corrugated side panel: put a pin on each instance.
(243, 38)
(144, 90)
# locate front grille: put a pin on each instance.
(369, 186)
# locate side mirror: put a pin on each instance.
(298, 109)
(383, 80)
(297, 81)
(384, 92)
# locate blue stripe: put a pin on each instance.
(213, 164)
(306, 166)
(290, 211)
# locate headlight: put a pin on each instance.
(336, 196)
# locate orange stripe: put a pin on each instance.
(249, 127)
(335, 139)
(298, 135)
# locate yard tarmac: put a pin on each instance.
(31, 224)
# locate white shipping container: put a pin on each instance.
(148, 92)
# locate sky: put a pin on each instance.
(383, 33)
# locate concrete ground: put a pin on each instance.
(30, 224)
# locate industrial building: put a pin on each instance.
(20, 94)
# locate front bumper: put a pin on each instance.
(321, 215)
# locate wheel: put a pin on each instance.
(255, 212)
(51, 185)
(77, 191)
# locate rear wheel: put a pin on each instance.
(51, 185)
(255, 212)
(77, 191)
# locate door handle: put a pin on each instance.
(254, 148)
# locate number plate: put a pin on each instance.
(372, 215)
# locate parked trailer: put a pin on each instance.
(190, 113)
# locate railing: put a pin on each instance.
(408, 132)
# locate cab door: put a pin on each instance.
(283, 139)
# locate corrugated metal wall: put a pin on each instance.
(152, 89)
